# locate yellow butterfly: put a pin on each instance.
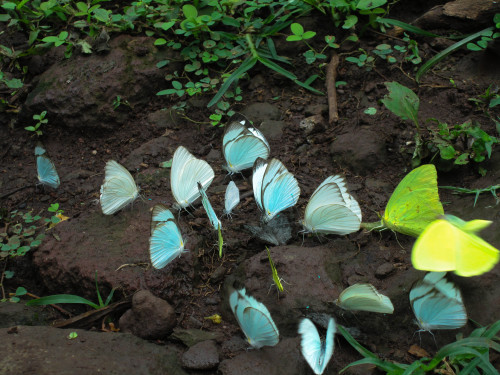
(451, 244)
(415, 202)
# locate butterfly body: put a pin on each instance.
(275, 189)
(414, 203)
(437, 303)
(185, 174)
(331, 210)
(254, 319)
(316, 352)
(243, 144)
(118, 190)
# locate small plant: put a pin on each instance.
(458, 190)
(363, 60)
(469, 355)
(41, 120)
(20, 234)
(118, 101)
(14, 297)
(71, 298)
(14, 83)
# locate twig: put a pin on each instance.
(58, 308)
(331, 76)
(3, 274)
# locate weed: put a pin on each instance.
(458, 190)
(363, 60)
(41, 120)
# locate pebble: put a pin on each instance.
(202, 356)
(384, 270)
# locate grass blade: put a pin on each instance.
(407, 27)
(61, 298)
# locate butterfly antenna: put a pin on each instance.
(397, 239)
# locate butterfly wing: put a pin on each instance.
(329, 342)
(186, 172)
(254, 319)
(259, 169)
(415, 202)
(39, 149)
(280, 190)
(160, 214)
(212, 216)
(242, 152)
(165, 244)
(46, 170)
(444, 247)
(364, 297)
(437, 303)
(311, 346)
(332, 219)
(232, 198)
(118, 190)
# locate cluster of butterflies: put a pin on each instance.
(436, 303)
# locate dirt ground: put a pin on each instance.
(372, 152)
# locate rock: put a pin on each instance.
(259, 112)
(284, 358)
(149, 318)
(312, 124)
(384, 270)
(201, 356)
(190, 337)
(272, 129)
(79, 92)
(362, 152)
(12, 314)
(152, 148)
(50, 351)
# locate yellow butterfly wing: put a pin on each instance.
(415, 202)
(445, 247)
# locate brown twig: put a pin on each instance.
(331, 76)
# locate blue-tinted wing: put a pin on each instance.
(254, 319)
(165, 244)
(316, 353)
(209, 209)
(47, 173)
(160, 214)
(118, 190)
(39, 149)
(259, 169)
(242, 152)
(232, 198)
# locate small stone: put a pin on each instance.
(312, 124)
(94, 152)
(202, 356)
(191, 337)
(384, 270)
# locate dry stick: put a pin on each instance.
(331, 76)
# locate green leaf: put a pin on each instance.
(462, 159)
(370, 111)
(8, 274)
(297, 28)
(20, 291)
(160, 42)
(61, 298)
(293, 38)
(447, 152)
(308, 35)
(177, 85)
(402, 102)
(8, 5)
(166, 164)
(494, 102)
(350, 21)
(370, 4)
(189, 11)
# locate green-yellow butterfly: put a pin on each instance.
(451, 244)
(415, 202)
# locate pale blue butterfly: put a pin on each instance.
(274, 188)
(254, 319)
(118, 190)
(231, 199)
(186, 172)
(331, 209)
(242, 144)
(212, 216)
(316, 352)
(160, 214)
(165, 243)
(437, 303)
(46, 170)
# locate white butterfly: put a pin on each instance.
(274, 188)
(437, 303)
(212, 216)
(232, 198)
(316, 352)
(165, 243)
(331, 209)
(242, 144)
(118, 190)
(364, 297)
(254, 319)
(186, 172)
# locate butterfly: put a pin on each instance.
(415, 203)
(274, 188)
(165, 243)
(160, 214)
(437, 303)
(243, 144)
(118, 190)
(364, 297)
(276, 232)
(212, 216)
(331, 209)
(316, 352)
(232, 198)
(47, 174)
(254, 319)
(186, 172)
(451, 244)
